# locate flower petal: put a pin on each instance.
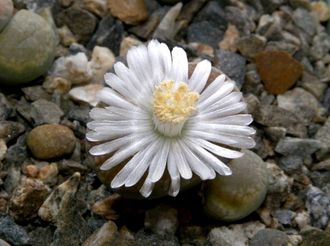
(139, 63)
(157, 167)
(147, 188)
(216, 96)
(174, 174)
(179, 71)
(210, 159)
(198, 167)
(200, 76)
(127, 151)
(122, 175)
(181, 162)
(144, 163)
(226, 139)
(214, 86)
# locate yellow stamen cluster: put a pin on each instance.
(173, 103)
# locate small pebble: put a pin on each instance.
(27, 198)
(51, 141)
(278, 70)
(129, 11)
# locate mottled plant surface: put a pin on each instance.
(51, 192)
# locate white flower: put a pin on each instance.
(160, 119)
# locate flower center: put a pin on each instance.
(172, 105)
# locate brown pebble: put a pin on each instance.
(48, 173)
(51, 141)
(129, 11)
(278, 70)
(27, 198)
(104, 207)
(31, 171)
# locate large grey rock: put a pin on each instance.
(27, 48)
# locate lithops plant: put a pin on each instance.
(27, 44)
(236, 196)
(163, 129)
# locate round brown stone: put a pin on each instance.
(129, 11)
(51, 141)
(278, 70)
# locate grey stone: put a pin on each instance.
(318, 206)
(41, 236)
(13, 233)
(322, 166)
(270, 115)
(162, 220)
(46, 112)
(292, 163)
(81, 22)
(10, 130)
(6, 109)
(63, 208)
(326, 100)
(168, 27)
(301, 103)
(271, 5)
(284, 216)
(315, 237)
(213, 13)
(323, 135)
(275, 133)
(80, 114)
(109, 33)
(320, 179)
(303, 147)
(6, 12)
(232, 64)
(270, 237)
(17, 153)
(209, 25)
(28, 48)
(143, 238)
(192, 235)
(305, 20)
(237, 235)
(320, 46)
(33, 93)
(203, 32)
(240, 18)
(251, 45)
(146, 29)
